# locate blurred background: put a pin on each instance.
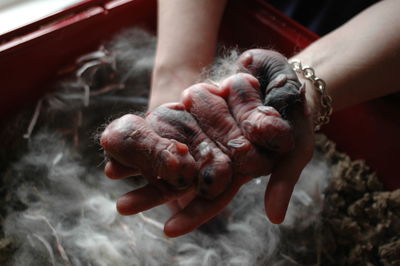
(17, 13)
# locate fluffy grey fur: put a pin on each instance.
(69, 218)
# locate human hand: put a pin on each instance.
(224, 162)
(242, 95)
(296, 103)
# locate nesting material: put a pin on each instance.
(58, 208)
(361, 221)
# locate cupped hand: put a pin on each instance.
(281, 89)
(232, 137)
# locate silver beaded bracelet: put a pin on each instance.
(320, 85)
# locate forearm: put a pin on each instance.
(360, 60)
(187, 37)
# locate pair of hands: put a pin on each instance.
(198, 153)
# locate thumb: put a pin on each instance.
(283, 179)
(279, 191)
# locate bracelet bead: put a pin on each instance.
(320, 86)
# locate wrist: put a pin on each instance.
(319, 103)
(168, 82)
(311, 97)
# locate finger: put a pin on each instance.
(133, 144)
(214, 166)
(279, 83)
(262, 125)
(222, 128)
(114, 170)
(185, 199)
(147, 197)
(219, 124)
(198, 212)
(286, 173)
(180, 203)
(279, 190)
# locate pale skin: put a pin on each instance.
(177, 66)
(358, 61)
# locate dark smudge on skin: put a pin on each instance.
(241, 87)
(182, 183)
(208, 175)
(285, 99)
(181, 120)
(203, 192)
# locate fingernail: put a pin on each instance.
(278, 82)
(246, 59)
(169, 159)
(236, 143)
(205, 150)
(248, 126)
(180, 147)
(268, 110)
